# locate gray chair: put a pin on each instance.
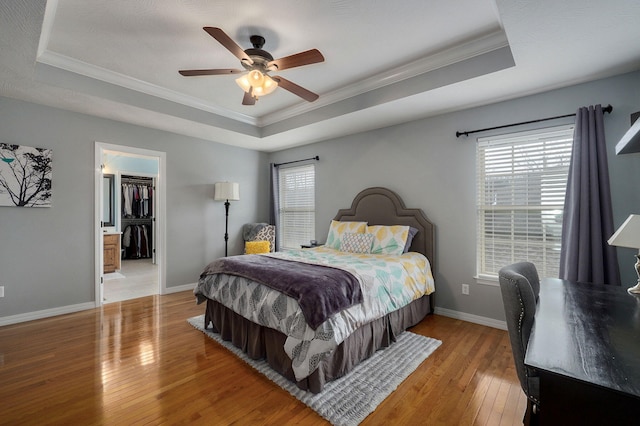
(520, 286)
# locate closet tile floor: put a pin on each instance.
(136, 278)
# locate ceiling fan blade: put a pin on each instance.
(312, 56)
(248, 99)
(221, 71)
(227, 42)
(295, 89)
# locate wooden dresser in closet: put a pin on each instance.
(111, 253)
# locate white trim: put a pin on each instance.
(464, 50)
(487, 280)
(467, 50)
(30, 316)
(476, 319)
(160, 216)
(47, 25)
(98, 232)
(179, 288)
(82, 68)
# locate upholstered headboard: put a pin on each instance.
(381, 206)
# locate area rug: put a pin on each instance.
(350, 399)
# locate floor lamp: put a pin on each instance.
(628, 235)
(226, 191)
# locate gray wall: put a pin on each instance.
(430, 168)
(47, 254)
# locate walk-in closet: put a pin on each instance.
(135, 202)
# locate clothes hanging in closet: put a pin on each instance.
(137, 200)
(136, 241)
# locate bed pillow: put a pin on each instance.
(356, 243)
(388, 239)
(412, 233)
(338, 228)
(256, 247)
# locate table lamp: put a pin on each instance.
(226, 191)
(628, 235)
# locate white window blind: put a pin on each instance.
(297, 206)
(522, 181)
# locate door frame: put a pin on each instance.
(159, 214)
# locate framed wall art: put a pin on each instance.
(25, 176)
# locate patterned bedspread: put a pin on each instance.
(387, 282)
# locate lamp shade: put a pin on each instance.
(226, 191)
(628, 235)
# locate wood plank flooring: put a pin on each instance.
(140, 362)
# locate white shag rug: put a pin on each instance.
(350, 399)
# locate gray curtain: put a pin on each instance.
(588, 218)
(274, 207)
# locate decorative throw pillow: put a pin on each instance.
(256, 247)
(337, 229)
(412, 233)
(267, 233)
(356, 243)
(388, 239)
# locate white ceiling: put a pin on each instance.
(386, 62)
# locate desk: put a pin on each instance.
(585, 345)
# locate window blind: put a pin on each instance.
(297, 205)
(522, 181)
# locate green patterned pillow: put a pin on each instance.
(388, 239)
(356, 243)
(337, 228)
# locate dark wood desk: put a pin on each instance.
(585, 345)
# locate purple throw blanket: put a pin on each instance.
(321, 291)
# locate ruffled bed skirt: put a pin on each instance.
(260, 342)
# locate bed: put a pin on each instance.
(312, 356)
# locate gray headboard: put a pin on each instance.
(381, 206)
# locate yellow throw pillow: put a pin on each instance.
(256, 247)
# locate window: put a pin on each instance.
(297, 206)
(522, 180)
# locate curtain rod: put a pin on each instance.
(608, 109)
(297, 161)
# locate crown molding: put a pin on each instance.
(451, 55)
(458, 53)
(67, 63)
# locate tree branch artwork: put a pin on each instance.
(25, 176)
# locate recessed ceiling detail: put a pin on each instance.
(385, 63)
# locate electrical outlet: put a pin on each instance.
(1, 291)
(465, 289)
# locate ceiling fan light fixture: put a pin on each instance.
(258, 63)
(256, 78)
(244, 83)
(249, 83)
(268, 86)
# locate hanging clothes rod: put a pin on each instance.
(297, 161)
(608, 109)
(136, 179)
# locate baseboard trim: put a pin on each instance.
(179, 288)
(46, 313)
(476, 319)
(30, 316)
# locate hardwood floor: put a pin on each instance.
(140, 362)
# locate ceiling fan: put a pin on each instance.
(257, 82)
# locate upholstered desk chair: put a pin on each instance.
(520, 286)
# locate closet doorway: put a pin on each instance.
(129, 215)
